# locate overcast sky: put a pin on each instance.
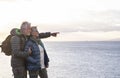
(76, 20)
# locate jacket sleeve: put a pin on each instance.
(15, 45)
(31, 60)
(44, 35)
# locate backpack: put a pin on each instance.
(6, 45)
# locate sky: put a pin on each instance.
(76, 20)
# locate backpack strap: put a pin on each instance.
(22, 42)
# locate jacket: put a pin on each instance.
(18, 58)
(18, 54)
(33, 61)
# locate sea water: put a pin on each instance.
(88, 59)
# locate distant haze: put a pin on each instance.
(76, 20)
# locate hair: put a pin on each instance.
(24, 25)
(33, 28)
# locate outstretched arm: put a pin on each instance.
(48, 34)
(54, 34)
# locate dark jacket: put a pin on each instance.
(19, 55)
(33, 61)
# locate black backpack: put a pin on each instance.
(6, 45)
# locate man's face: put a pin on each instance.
(28, 30)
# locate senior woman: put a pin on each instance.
(37, 62)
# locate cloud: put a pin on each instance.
(98, 21)
(83, 27)
(104, 21)
(85, 36)
(91, 27)
(7, 0)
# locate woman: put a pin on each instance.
(37, 62)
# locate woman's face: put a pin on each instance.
(35, 33)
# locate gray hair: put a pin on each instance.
(25, 24)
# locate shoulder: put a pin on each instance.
(29, 42)
(15, 38)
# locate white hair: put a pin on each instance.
(24, 26)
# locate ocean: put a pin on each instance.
(80, 59)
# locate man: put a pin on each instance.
(18, 54)
(18, 62)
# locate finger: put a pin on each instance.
(57, 32)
